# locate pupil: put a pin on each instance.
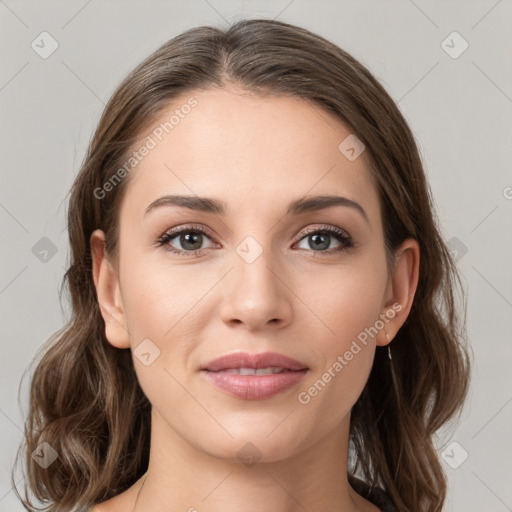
(318, 243)
(189, 238)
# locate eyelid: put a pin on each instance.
(325, 227)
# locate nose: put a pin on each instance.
(257, 294)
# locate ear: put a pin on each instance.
(108, 292)
(400, 291)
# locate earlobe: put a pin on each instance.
(403, 285)
(108, 293)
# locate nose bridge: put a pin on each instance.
(255, 264)
(256, 294)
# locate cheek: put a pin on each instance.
(156, 297)
(165, 304)
(341, 302)
(347, 303)
(346, 358)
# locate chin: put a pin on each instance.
(253, 445)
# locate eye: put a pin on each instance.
(319, 240)
(190, 238)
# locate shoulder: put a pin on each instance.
(375, 495)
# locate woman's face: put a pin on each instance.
(262, 279)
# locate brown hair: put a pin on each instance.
(85, 400)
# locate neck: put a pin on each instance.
(185, 477)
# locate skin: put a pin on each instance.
(256, 153)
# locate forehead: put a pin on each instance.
(250, 150)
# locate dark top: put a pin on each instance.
(374, 495)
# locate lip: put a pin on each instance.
(246, 360)
(254, 387)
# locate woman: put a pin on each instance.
(263, 306)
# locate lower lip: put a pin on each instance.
(254, 387)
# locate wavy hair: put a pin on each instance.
(85, 399)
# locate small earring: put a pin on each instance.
(389, 348)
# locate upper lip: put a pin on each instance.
(246, 360)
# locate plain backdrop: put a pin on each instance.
(447, 64)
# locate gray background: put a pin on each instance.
(459, 109)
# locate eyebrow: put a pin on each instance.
(215, 206)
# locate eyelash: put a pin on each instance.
(339, 234)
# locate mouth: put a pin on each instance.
(271, 362)
(254, 376)
(271, 370)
